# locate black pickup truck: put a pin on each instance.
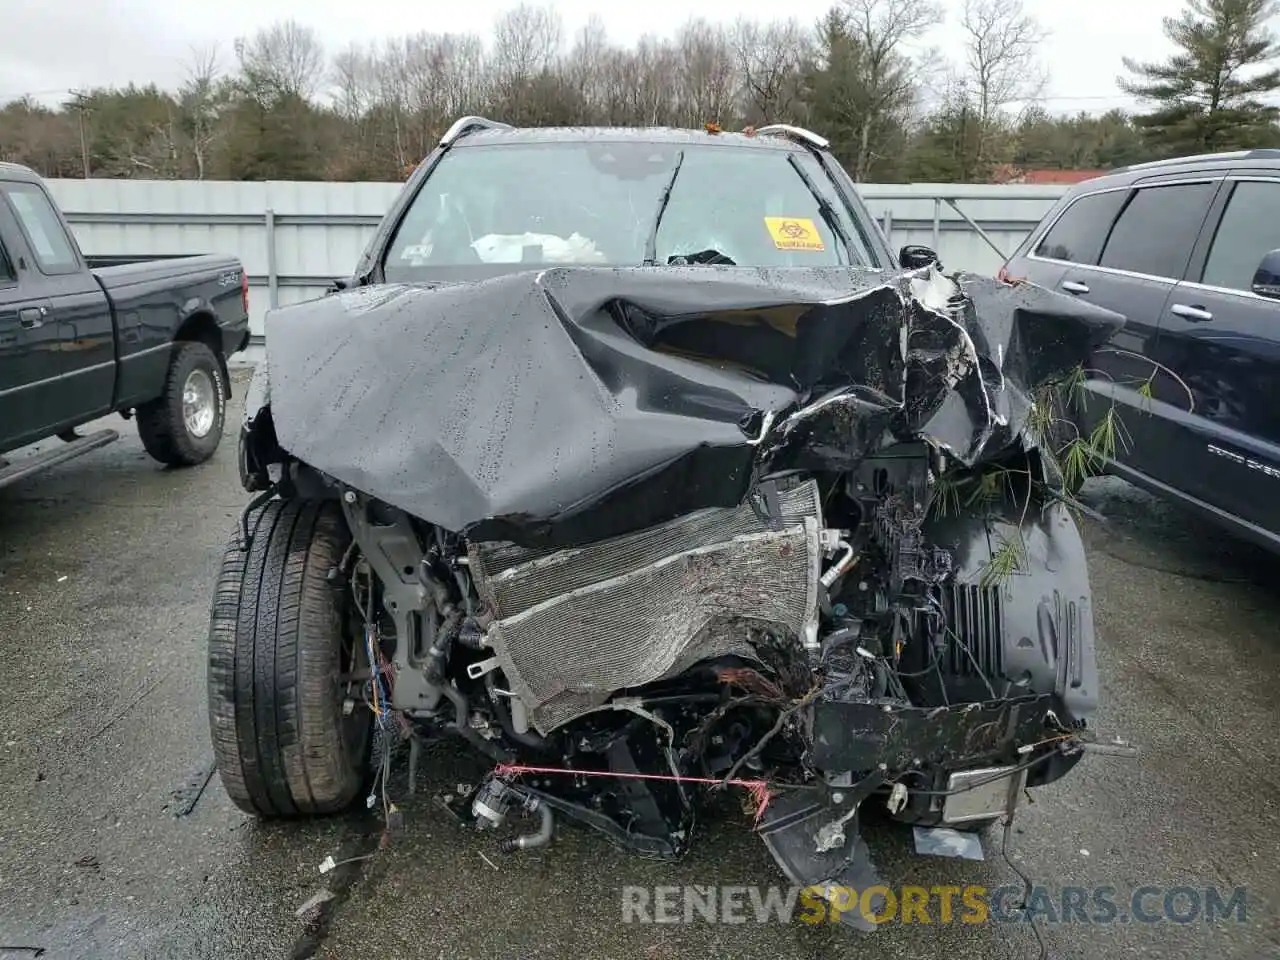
(148, 340)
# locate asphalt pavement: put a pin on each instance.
(116, 843)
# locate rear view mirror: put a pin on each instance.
(913, 257)
(1266, 279)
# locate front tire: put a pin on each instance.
(279, 638)
(182, 426)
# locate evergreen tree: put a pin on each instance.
(948, 144)
(863, 87)
(1206, 97)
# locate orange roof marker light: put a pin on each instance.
(712, 127)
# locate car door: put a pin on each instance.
(1065, 259)
(30, 365)
(76, 324)
(1131, 269)
(1220, 341)
(13, 373)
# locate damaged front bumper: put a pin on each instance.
(633, 532)
(942, 765)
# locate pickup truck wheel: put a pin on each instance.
(183, 425)
(281, 635)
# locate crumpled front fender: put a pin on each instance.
(257, 445)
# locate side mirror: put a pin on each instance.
(1266, 279)
(913, 257)
(338, 285)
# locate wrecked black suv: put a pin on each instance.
(632, 458)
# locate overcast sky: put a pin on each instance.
(50, 46)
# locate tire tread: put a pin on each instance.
(274, 713)
(160, 425)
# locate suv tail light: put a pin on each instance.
(244, 290)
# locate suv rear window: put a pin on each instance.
(1079, 233)
(596, 202)
(1157, 230)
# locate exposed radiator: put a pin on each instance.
(576, 625)
(973, 614)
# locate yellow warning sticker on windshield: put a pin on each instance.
(794, 233)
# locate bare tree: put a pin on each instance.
(642, 91)
(369, 85)
(283, 60)
(391, 75)
(883, 26)
(469, 77)
(1001, 65)
(706, 78)
(526, 53)
(588, 68)
(771, 59)
(526, 40)
(863, 77)
(201, 100)
(871, 85)
(354, 78)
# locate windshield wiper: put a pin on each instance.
(824, 207)
(651, 243)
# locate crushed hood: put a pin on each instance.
(566, 405)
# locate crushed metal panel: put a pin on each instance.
(569, 405)
(659, 604)
(512, 578)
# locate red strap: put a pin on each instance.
(759, 789)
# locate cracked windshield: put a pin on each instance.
(599, 203)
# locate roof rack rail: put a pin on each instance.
(465, 125)
(1195, 158)
(794, 133)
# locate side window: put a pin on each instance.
(1249, 230)
(7, 273)
(49, 242)
(1157, 230)
(1079, 234)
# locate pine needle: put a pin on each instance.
(1077, 395)
(1006, 560)
(1078, 463)
(1146, 393)
(946, 497)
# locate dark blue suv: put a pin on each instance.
(1189, 251)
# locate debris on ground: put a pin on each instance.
(945, 842)
(312, 908)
